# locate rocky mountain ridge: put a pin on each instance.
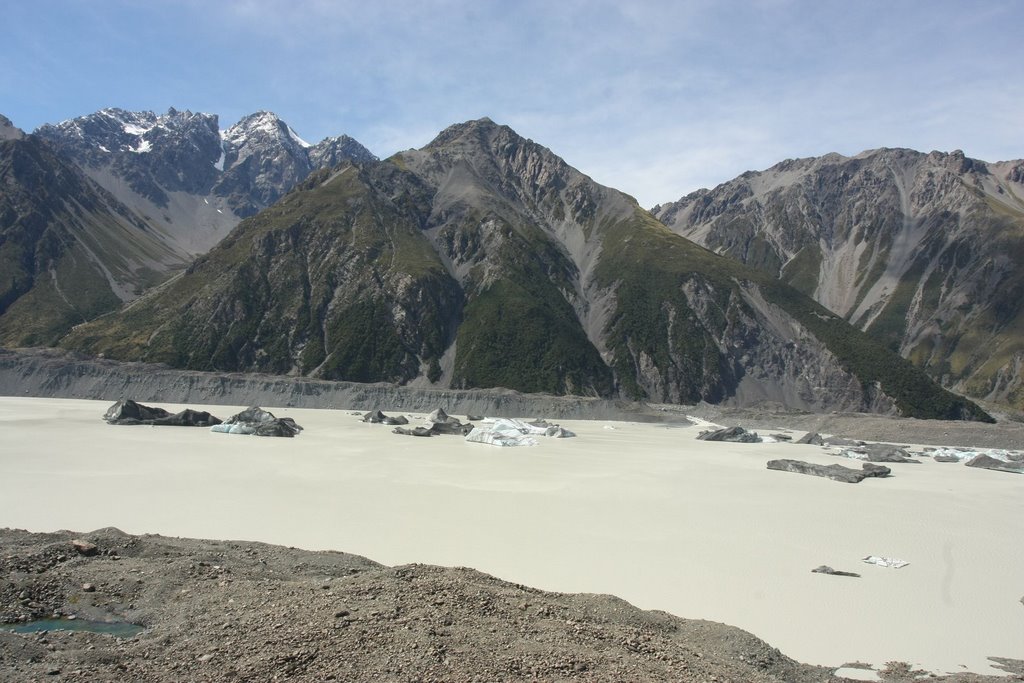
(187, 176)
(8, 131)
(921, 251)
(484, 260)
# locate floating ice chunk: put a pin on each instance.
(885, 561)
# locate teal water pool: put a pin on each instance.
(120, 629)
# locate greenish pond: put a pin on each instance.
(121, 629)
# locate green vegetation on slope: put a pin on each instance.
(643, 251)
(335, 280)
(523, 335)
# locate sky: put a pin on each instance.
(656, 98)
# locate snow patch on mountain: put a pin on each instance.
(296, 138)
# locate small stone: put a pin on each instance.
(88, 587)
(341, 613)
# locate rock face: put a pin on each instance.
(8, 131)
(484, 260)
(922, 251)
(192, 180)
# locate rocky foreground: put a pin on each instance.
(223, 610)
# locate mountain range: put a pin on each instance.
(484, 260)
(923, 252)
(99, 208)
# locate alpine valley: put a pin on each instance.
(484, 260)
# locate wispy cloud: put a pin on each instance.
(656, 97)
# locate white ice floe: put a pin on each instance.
(968, 454)
(854, 455)
(501, 431)
(885, 561)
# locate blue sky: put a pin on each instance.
(654, 98)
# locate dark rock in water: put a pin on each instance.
(812, 438)
(885, 452)
(474, 418)
(732, 434)
(188, 418)
(989, 463)
(946, 458)
(781, 437)
(378, 417)
(825, 569)
(441, 417)
(415, 431)
(128, 412)
(454, 428)
(872, 470)
(281, 426)
(834, 472)
(258, 422)
(439, 422)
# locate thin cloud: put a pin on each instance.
(657, 98)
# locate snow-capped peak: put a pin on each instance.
(262, 124)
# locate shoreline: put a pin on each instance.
(642, 511)
(53, 373)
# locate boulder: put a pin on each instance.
(812, 438)
(83, 547)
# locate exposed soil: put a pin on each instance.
(222, 611)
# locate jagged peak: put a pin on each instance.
(473, 130)
(262, 122)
